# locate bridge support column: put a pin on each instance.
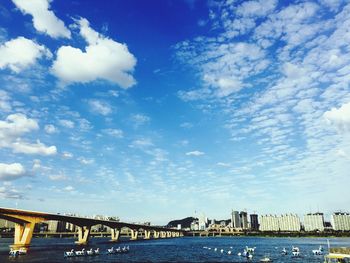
(23, 234)
(115, 233)
(168, 234)
(156, 234)
(147, 234)
(134, 234)
(83, 235)
(173, 234)
(177, 234)
(181, 234)
(162, 234)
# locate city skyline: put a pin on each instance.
(151, 110)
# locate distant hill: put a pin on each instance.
(186, 222)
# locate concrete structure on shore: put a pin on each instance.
(314, 222)
(25, 222)
(341, 221)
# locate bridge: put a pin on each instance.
(25, 222)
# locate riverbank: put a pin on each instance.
(269, 234)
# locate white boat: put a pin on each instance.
(295, 251)
(284, 251)
(80, 253)
(69, 254)
(125, 249)
(318, 251)
(17, 252)
(265, 259)
(111, 250)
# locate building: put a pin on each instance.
(269, 223)
(243, 216)
(235, 219)
(202, 222)
(314, 222)
(287, 223)
(5, 224)
(254, 222)
(341, 221)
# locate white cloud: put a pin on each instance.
(67, 123)
(256, 8)
(11, 171)
(5, 101)
(114, 133)
(13, 128)
(339, 117)
(195, 153)
(20, 146)
(10, 193)
(103, 58)
(140, 119)
(50, 129)
(21, 53)
(58, 177)
(44, 20)
(100, 107)
(85, 161)
(69, 188)
(67, 155)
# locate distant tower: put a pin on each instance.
(235, 219)
(244, 219)
(254, 222)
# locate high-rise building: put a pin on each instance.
(254, 222)
(290, 223)
(314, 222)
(202, 222)
(244, 220)
(269, 223)
(341, 221)
(235, 219)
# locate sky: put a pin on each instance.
(158, 110)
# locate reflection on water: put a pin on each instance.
(185, 249)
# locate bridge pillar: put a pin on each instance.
(23, 234)
(162, 234)
(177, 234)
(147, 234)
(156, 234)
(115, 233)
(181, 234)
(83, 235)
(168, 234)
(134, 234)
(173, 234)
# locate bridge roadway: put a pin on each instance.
(25, 222)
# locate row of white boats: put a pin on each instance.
(77, 253)
(248, 252)
(95, 252)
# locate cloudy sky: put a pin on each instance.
(152, 110)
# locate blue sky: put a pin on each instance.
(152, 110)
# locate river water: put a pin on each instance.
(186, 249)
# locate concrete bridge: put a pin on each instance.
(25, 222)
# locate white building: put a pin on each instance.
(288, 223)
(202, 222)
(269, 223)
(341, 221)
(314, 222)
